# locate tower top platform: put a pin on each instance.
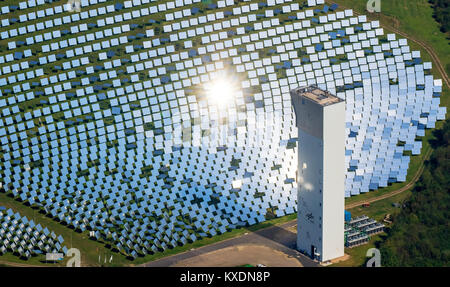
(317, 95)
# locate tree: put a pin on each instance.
(420, 235)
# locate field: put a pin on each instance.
(408, 16)
(414, 17)
(91, 250)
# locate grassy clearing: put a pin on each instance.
(379, 209)
(37, 260)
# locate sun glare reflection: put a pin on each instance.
(222, 90)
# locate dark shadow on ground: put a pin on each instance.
(438, 139)
(279, 235)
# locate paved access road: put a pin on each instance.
(277, 237)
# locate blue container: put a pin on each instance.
(348, 215)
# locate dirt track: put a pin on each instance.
(14, 264)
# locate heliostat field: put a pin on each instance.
(155, 123)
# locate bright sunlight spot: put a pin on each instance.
(221, 91)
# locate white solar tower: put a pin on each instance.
(321, 172)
